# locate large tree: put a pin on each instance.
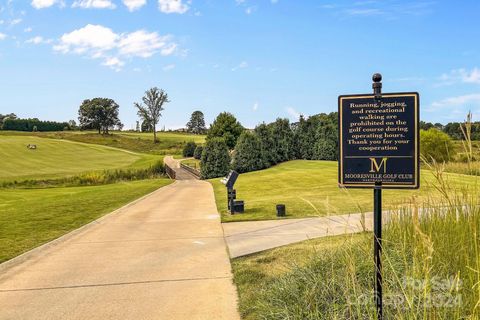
(100, 114)
(227, 127)
(151, 109)
(196, 124)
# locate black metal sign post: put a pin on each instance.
(379, 149)
(377, 217)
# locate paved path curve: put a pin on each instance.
(164, 257)
(248, 237)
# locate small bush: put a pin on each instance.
(189, 149)
(197, 154)
(437, 145)
(215, 161)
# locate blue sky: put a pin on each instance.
(258, 59)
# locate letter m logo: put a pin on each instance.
(376, 167)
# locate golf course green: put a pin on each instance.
(57, 158)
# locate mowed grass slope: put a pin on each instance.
(169, 143)
(31, 217)
(309, 188)
(56, 158)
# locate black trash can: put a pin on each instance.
(281, 211)
(238, 206)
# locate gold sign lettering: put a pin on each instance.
(375, 167)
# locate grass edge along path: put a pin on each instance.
(309, 188)
(32, 217)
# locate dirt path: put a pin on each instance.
(161, 258)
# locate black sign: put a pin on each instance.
(379, 140)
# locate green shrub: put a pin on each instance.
(189, 149)
(215, 161)
(197, 154)
(248, 153)
(437, 145)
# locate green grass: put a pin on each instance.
(57, 158)
(29, 218)
(431, 269)
(169, 143)
(253, 274)
(309, 188)
(194, 163)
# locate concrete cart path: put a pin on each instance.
(254, 236)
(163, 257)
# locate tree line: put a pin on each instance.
(13, 123)
(453, 129)
(230, 146)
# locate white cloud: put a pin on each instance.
(172, 6)
(38, 40)
(114, 63)
(145, 44)
(40, 4)
(99, 42)
(294, 114)
(460, 75)
(471, 99)
(250, 10)
(15, 21)
(94, 4)
(133, 5)
(91, 38)
(27, 29)
(242, 65)
(255, 106)
(274, 1)
(168, 67)
(3, 36)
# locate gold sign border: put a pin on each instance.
(395, 185)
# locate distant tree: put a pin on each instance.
(189, 149)
(146, 126)
(425, 125)
(248, 153)
(100, 114)
(215, 161)
(152, 107)
(196, 124)
(227, 127)
(453, 130)
(6, 116)
(197, 154)
(437, 145)
(72, 125)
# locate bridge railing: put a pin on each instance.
(193, 171)
(170, 172)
